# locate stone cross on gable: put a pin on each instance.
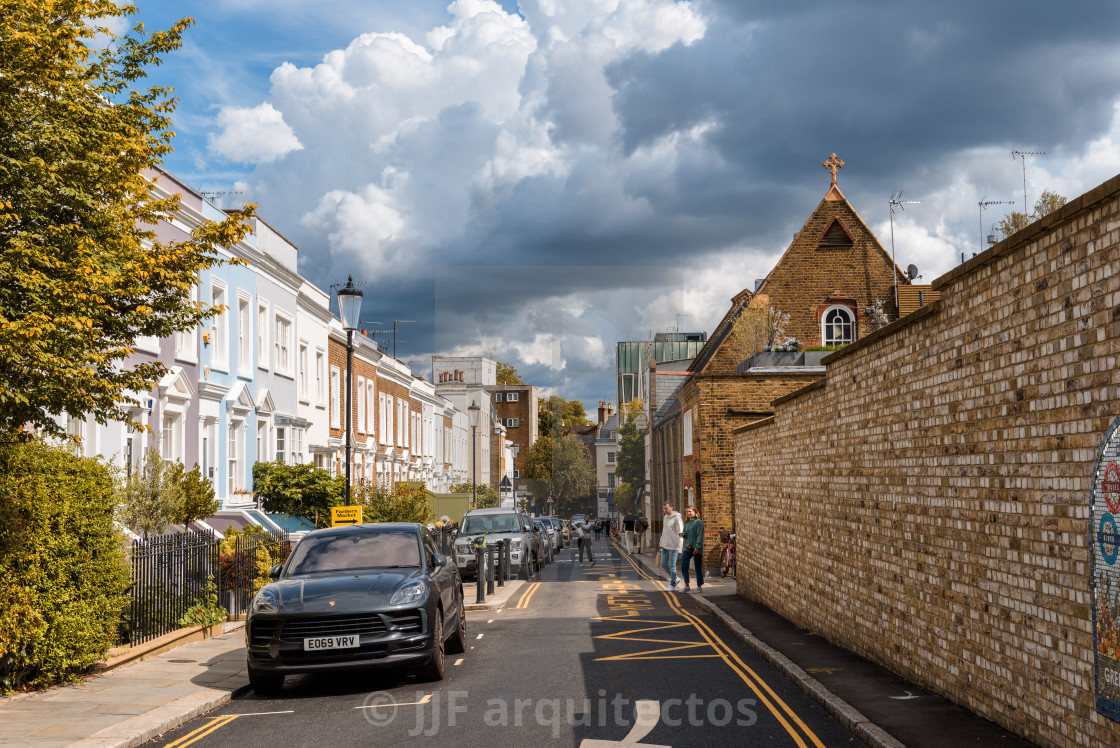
(833, 165)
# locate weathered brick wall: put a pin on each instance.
(928, 507)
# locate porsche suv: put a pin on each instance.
(357, 597)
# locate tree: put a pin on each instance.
(560, 468)
(299, 490)
(402, 504)
(488, 498)
(151, 498)
(631, 461)
(507, 374)
(196, 496)
(1014, 221)
(82, 272)
(758, 329)
(563, 416)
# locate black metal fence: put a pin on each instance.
(171, 573)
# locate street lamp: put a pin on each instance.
(349, 308)
(515, 449)
(473, 412)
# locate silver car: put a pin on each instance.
(488, 526)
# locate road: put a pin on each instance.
(584, 656)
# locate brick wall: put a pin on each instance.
(928, 506)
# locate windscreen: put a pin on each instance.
(485, 523)
(546, 522)
(354, 551)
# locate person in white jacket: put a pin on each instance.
(672, 539)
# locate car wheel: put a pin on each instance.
(265, 685)
(434, 670)
(458, 643)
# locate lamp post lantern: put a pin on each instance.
(515, 448)
(473, 412)
(349, 308)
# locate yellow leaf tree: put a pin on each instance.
(82, 273)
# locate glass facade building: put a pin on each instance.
(632, 359)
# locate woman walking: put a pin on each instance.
(693, 548)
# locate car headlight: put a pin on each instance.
(518, 545)
(412, 592)
(266, 602)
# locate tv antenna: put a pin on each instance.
(217, 193)
(897, 203)
(678, 316)
(1016, 153)
(385, 343)
(983, 205)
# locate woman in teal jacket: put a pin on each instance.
(693, 548)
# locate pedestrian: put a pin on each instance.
(628, 530)
(582, 530)
(598, 527)
(672, 539)
(640, 527)
(693, 548)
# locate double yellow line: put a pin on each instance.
(525, 596)
(215, 724)
(765, 694)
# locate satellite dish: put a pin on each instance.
(912, 271)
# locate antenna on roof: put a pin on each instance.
(394, 331)
(1016, 153)
(678, 316)
(984, 204)
(896, 202)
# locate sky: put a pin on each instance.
(537, 180)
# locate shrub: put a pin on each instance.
(62, 562)
(402, 504)
(205, 611)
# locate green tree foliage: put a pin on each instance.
(631, 460)
(150, 500)
(558, 416)
(507, 374)
(82, 273)
(488, 498)
(196, 497)
(299, 490)
(62, 562)
(402, 504)
(1014, 221)
(758, 329)
(561, 468)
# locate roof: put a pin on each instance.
(290, 523)
(712, 346)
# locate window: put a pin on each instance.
(686, 433)
(167, 439)
(838, 327)
(610, 480)
(219, 328)
(360, 426)
(513, 422)
(303, 393)
(262, 335)
(382, 411)
(262, 441)
(497, 397)
(244, 338)
(369, 406)
(320, 379)
(516, 474)
(511, 397)
(610, 457)
(283, 344)
(297, 446)
(336, 392)
(185, 341)
(281, 443)
(234, 458)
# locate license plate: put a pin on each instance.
(330, 642)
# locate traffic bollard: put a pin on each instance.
(505, 558)
(480, 580)
(501, 563)
(491, 552)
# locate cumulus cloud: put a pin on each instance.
(258, 134)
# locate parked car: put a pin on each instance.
(552, 524)
(548, 542)
(353, 597)
(489, 525)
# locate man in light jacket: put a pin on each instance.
(672, 539)
(585, 525)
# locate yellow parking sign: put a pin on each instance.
(346, 515)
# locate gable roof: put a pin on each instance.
(738, 303)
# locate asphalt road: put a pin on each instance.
(585, 656)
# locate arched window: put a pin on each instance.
(838, 326)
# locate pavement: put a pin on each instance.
(886, 711)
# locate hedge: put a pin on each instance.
(62, 562)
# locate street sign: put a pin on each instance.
(346, 515)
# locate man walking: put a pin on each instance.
(628, 530)
(640, 527)
(672, 539)
(583, 527)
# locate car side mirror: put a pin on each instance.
(274, 572)
(438, 559)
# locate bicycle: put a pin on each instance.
(727, 557)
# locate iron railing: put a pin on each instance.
(245, 568)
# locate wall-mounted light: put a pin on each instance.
(206, 337)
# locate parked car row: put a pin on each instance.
(534, 541)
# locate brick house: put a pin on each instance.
(827, 281)
(516, 407)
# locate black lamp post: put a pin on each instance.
(473, 412)
(349, 308)
(515, 448)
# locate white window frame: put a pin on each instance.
(304, 374)
(186, 341)
(610, 458)
(513, 397)
(234, 478)
(686, 433)
(263, 349)
(219, 326)
(244, 335)
(383, 416)
(371, 390)
(497, 397)
(285, 334)
(335, 398)
(360, 426)
(851, 325)
(281, 444)
(320, 378)
(297, 445)
(262, 440)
